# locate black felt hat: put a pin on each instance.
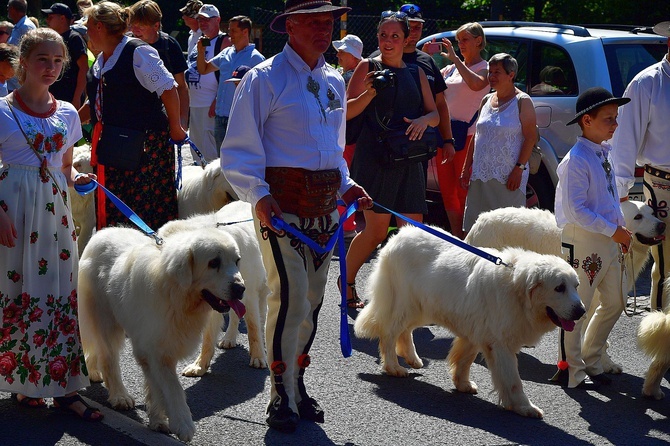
(278, 25)
(593, 98)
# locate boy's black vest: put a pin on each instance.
(125, 102)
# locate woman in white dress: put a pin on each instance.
(40, 349)
(496, 166)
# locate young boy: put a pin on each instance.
(588, 212)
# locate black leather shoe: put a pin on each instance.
(281, 418)
(588, 384)
(310, 410)
(601, 378)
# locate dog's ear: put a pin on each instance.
(179, 261)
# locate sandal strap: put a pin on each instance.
(67, 401)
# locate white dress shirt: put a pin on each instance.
(643, 135)
(585, 194)
(276, 122)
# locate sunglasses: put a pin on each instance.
(411, 10)
(394, 14)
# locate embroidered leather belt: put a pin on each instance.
(657, 172)
(305, 193)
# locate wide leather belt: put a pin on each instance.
(657, 172)
(302, 192)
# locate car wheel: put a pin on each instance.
(540, 191)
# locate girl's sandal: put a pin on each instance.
(354, 301)
(65, 402)
(27, 401)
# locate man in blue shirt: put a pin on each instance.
(16, 11)
(241, 52)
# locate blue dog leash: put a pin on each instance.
(84, 189)
(179, 145)
(451, 239)
(345, 339)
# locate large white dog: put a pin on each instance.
(653, 336)
(235, 220)
(160, 296)
(493, 309)
(203, 190)
(536, 230)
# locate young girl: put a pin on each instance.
(40, 349)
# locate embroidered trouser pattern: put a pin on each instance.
(297, 278)
(595, 258)
(657, 195)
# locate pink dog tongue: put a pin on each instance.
(567, 325)
(239, 309)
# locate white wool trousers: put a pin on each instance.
(297, 278)
(201, 132)
(596, 260)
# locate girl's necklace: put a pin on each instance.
(28, 110)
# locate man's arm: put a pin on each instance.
(182, 91)
(203, 65)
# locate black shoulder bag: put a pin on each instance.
(400, 150)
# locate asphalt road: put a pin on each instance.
(365, 407)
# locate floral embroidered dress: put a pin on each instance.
(40, 348)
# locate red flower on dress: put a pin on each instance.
(13, 276)
(67, 326)
(38, 339)
(52, 338)
(38, 141)
(35, 315)
(5, 334)
(11, 314)
(34, 376)
(33, 237)
(64, 254)
(50, 299)
(7, 363)
(25, 300)
(58, 140)
(75, 366)
(58, 368)
(72, 298)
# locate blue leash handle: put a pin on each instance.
(345, 339)
(179, 145)
(123, 207)
(451, 239)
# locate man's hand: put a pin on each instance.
(448, 152)
(266, 208)
(356, 192)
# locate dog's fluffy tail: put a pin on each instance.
(653, 335)
(369, 322)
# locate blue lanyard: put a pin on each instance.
(179, 144)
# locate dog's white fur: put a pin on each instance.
(536, 230)
(253, 273)
(493, 309)
(154, 295)
(83, 206)
(653, 336)
(203, 190)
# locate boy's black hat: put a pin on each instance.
(593, 98)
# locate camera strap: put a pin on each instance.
(386, 119)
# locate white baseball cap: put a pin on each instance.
(209, 11)
(350, 44)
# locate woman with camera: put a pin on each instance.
(389, 94)
(467, 82)
(496, 165)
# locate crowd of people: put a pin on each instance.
(279, 127)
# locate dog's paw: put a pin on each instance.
(95, 376)
(656, 394)
(160, 425)
(610, 366)
(227, 343)
(467, 387)
(194, 370)
(258, 363)
(395, 370)
(415, 363)
(531, 411)
(121, 402)
(184, 429)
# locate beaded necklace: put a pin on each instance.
(28, 110)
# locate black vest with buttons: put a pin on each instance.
(125, 102)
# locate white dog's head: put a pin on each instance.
(204, 262)
(550, 284)
(640, 220)
(218, 185)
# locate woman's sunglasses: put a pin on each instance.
(394, 14)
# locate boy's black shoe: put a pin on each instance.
(310, 410)
(281, 417)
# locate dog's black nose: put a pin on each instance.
(578, 312)
(236, 290)
(661, 227)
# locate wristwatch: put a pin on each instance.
(451, 140)
(521, 166)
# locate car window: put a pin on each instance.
(624, 61)
(552, 73)
(517, 49)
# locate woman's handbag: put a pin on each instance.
(120, 147)
(400, 150)
(459, 131)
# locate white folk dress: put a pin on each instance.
(40, 348)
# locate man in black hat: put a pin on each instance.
(71, 86)
(642, 139)
(283, 154)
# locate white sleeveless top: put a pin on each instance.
(498, 141)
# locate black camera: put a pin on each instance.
(383, 79)
(206, 41)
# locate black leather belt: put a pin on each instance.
(657, 172)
